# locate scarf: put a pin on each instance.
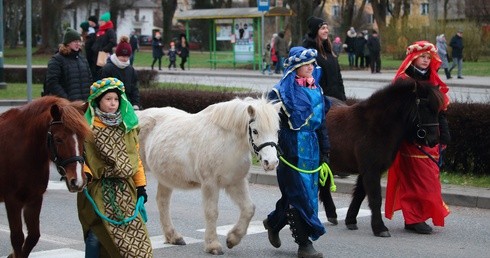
(306, 82)
(118, 63)
(109, 119)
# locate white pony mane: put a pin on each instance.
(233, 114)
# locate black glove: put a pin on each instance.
(325, 158)
(141, 191)
(89, 177)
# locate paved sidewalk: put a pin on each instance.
(352, 75)
(466, 196)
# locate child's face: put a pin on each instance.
(109, 103)
(123, 58)
(423, 61)
(305, 71)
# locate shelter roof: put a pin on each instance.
(230, 13)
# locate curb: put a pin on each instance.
(472, 197)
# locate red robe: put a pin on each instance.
(413, 179)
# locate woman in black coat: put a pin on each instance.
(157, 50)
(331, 80)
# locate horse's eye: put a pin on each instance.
(58, 140)
(255, 131)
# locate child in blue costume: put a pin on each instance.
(304, 139)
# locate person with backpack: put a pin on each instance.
(68, 74)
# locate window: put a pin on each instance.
(424, 9)
(335, 11)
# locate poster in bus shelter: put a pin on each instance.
(244, 41)
(223, 29)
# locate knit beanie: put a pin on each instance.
(71, 35)
(123, 48)
(93, 19)
(98, 88)
(84, 25)
(314, 23)
(105, 17)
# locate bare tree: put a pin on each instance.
(169, 7)
(379, 12)
(347, 15)
(51, 11)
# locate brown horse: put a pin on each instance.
(365, 138)
(44, 135)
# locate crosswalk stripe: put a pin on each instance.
(157, 242)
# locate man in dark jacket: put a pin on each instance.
(68, 74)
(374, 47)
(135, 46)
(457, 45)
(281, 52)
(359, 45)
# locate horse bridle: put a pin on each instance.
(421, 132)
(263, 145)
(60, 163)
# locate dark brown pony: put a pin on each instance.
(44, 135)
(365, 138)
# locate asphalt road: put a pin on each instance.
(466, 234)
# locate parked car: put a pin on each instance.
(145, 40)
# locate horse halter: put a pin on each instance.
(60, 163)
(421, 131)
(263, 145)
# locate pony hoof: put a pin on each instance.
(383, 234)
(352, 226)
(216, 252)
(180, 241)
(333, 221)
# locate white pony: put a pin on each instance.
(211, 150)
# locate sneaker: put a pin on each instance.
(460, 77)
(421, 228)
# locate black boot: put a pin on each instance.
(421, 228)
(448, 73)
(273, 236)
(299, 228)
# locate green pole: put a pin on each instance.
(188, 46)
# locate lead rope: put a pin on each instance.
(324, 169)
(140, 208)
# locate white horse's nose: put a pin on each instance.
(268, 164)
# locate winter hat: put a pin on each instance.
(98, 88)
(314, 23)
(105, 17)
(123, 48)
(93, 18)
(71, 35)
(299, 56)
(84, 25)
(417, 49)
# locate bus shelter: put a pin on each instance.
(242, 27)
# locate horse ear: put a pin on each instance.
(84, 107)
(277, 106)
(55, 112)
(251, 111)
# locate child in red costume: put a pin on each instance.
(413, 178)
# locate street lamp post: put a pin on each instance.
(3, 85)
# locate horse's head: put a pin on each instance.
(428, 103)
(263, 130)
(65, 137)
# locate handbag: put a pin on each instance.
(102, 58)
